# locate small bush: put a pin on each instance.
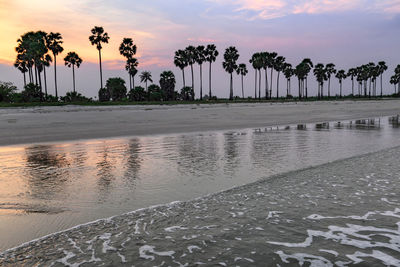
(137, 94)
(117, 88)
(104, 95)
(155, 93)
(74, 97)
(32, 93)
(7, 90)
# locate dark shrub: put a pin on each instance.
(117, 88)
(104, 95)
(137, 94)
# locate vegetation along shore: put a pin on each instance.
(37, 51)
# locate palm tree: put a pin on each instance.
(167, 84)
(211, 55)
(200, 58)
(230, 57)
(181, 61)
(382, 68)
(320, 75)
(279, 66)
(53, 43)
(352, 73)
(128, 50)
(341, 75)
(191, 53)
(242, 71)
(131, 66)
(330, 69)
(97, 38)
(254, 63)
(308, 65)
(288, 72)
(21, 66)
(271, 59)
(46, 63)
(73, 60)
(265, 62)
(145, 77)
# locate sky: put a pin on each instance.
(346, 32)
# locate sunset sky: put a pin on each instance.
(345, 32)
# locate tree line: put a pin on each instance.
(37, 51)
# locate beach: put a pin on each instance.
(247, 184)
(51, 124)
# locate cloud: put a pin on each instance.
(265, 10)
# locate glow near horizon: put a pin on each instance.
(294, 28)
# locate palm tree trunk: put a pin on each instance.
(209, 77)
(191, 67)
(259, 84)
(24, 78)
(231, 89)
(306, 88)
(287, 88)
(255, 84)
(299, 89)
(340, 88)
(352, 85)
(242, 88)
(270, 88)
(130, 81)
(201, 82)
(369, 90)
(133, 81)
(36, 78)
(55, 75)
(183, 77)
(266, 83)
(277, 86)
(101, 71)
(40, 85)
(329, 87)
(45, 81)
(73, 77)
(381, 86)
(322, 90)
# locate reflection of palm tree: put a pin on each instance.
(41, 162)
(133, 160)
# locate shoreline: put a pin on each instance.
(51, 124)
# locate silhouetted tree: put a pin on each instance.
(145, 77)
(73, 60)
(230, 57)
(211, 54)
(97, 38)
(53, 43)
(242, 71)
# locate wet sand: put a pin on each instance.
(50, 124)
(343, 213)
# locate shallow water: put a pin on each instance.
(49, 187)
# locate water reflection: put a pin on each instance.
(95, 179)
(47, 168)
